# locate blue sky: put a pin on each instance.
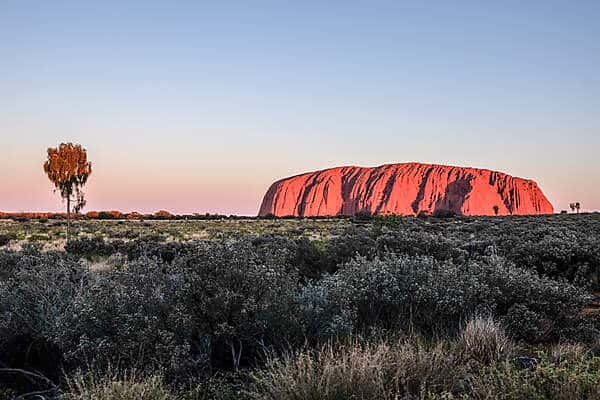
(197, 106)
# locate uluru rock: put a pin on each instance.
(404, 189)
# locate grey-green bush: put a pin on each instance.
(397, 291)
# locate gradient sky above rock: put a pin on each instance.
(197, 107)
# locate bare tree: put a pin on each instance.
(572, 207)
(68, 169)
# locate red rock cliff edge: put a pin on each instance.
(404, 189)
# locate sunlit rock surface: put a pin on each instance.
(404, 189)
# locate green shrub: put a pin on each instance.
(363, 215)
(214, 307)
(37, 238)
(228, 387)
(310, 258)
(441, 213)
(571, 352)
(89, 247)
(433, 296)
(4, 240)
(237, 294)
(562, 380)
(574, 257)
(419, 243)
(7, 394)
(341, 249)
(37, 316)
(423, 214)
(391, 221)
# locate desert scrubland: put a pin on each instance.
(360, 307)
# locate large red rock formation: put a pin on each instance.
(404, 189)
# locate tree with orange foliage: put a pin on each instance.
(68, 169)
(162, 214)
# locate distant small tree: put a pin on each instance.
(572, 207)
(496, 209)
(162, 214)
(577, 207)
(443, 213)
(422, 214)
(363, 215)
(134, 215)
(68, 169)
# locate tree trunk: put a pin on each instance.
(68, 217)
(236, 357)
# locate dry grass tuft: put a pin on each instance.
(114, 386)
(568, 352)
(357, 371)
(483, 340)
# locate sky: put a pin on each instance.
(195, 106)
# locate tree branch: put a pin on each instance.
(39, 394)
(28, 375)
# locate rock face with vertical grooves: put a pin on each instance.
(404, 189)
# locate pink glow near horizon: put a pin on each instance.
(106, 191)
(223, 189)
